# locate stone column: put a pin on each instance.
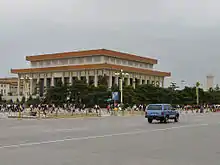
(24, 86)
(19, 85)
(96, 79)
(45, 85)
(116, 80)
(146, 78)
(31, 86)
(140, 83)
(128, 81)
(52, 81)
(38, 86)
(110, 79)
(63, 80)
(78, 75)
(70, 78)
(45, 81)
(162, 82)
(133, 84)
(154, 80)
(87, 77)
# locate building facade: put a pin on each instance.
(8, 86)
(47, 70)
(209, 81)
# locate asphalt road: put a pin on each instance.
(195, 140)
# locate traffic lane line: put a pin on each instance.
(141, 131)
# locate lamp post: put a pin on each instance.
(26, 89)
(121, 75)
(26, 80)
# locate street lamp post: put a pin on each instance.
(26, 89)
(121, 75)
(26, 86)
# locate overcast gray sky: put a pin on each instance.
(183, 34)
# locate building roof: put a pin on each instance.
(92, 66)
(10, 81)
(84, 53)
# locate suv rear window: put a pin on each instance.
(154, 107)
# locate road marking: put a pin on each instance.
(100, 136)
(24, 127)
(65, 130)
(198, 119)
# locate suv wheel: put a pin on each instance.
(150, 120)
(166, 119)
(176, 119)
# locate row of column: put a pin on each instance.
(127, 80)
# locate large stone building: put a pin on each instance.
(8, 86)
(46, 70)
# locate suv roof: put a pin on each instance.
(159, 104)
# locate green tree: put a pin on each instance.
(1, 98)
(129, 95)
(103, 80)
(217, 88)
(78, 91)
(23, 100)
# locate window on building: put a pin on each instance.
(151, 66)
(41, 63)
(55, 62)
(124, 62)
(97, 58)
(113, 60)
(118, 61)
(37, 64)
(64, 61)
(47, 63)
(2, 91)
(80, 60)
(130, 63)
(136, 64)
(72, 61)
(106, 59)
(88, 59)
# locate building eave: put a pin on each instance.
(85, 53)
(90, 67)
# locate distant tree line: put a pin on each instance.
(82, 93)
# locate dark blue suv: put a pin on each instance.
(161, 112)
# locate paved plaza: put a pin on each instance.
(111, 141)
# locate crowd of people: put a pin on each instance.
(12, 107)
(66, 108)
(81, 108)
(199, 108)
